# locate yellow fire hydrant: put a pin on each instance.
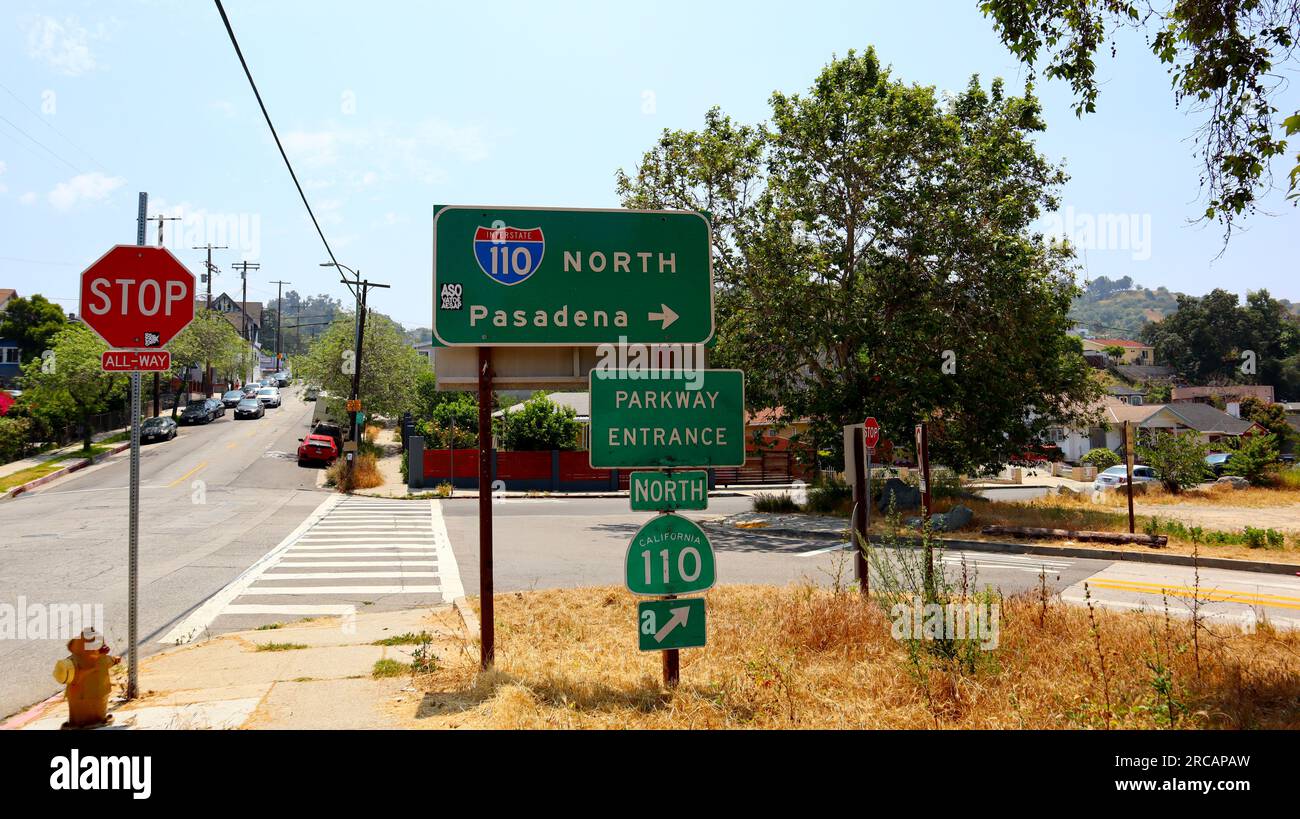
(85, 673)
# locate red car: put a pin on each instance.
(318, 449)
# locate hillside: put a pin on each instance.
(1118, 307)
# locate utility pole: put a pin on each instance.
(363, 288)
(162, 219)
(279, 321)
(243, 268)
(212, 269)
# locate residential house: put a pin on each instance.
(1226, 393)
(1126, 394)
(1211, 425)
(1135, 352)
(10, 363)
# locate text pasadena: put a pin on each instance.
(541, 318)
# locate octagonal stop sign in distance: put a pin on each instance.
(137, 297)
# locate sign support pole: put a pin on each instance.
(487, 619)
(672, 660)
(861, 504)
(923, 455)
(1128, 462)
(133, 520)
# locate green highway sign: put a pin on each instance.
(660, 418)
(665, 624)
(669, 555)
(508, 276)
(668, 491)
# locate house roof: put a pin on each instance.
(1123, 389)
(1118, 342)
(5, 295)
(1264, 392)
(579, 402)
(1207, 419)
(1142, 372)
(770, 416)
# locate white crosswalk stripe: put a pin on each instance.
(352, 554)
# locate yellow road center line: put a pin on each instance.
(187, 474)
(1208, 595)
(1206, 587)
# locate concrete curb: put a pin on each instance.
(1261, 566)
(67, 470)
(467, 615)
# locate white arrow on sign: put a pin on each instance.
(678, 619)
(667, 316)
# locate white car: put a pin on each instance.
(269, 396)
(1118, 476)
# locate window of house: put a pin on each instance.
(10, 355)
(1135, 400)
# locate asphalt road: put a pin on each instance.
(212, 502)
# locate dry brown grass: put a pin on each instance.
(365, 473)
(1213, 495)
(1080, 513)
(803, 657)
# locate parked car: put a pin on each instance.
(161, 428)
(330, 430)
(232, 397)
(249, 408)
(311, 393)
(1118, 476)
(1217, 462)
(281, 379)
(269, 396)
(202, 411)
(317, 449)
(250, 390)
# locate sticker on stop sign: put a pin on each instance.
(137, 297)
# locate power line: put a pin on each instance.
(40, 144)
(249, 74)
(50, 125)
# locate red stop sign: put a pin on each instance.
(870, 432)
(137, 297)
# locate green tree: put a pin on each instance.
(1228, 59)
(74, 378)
(390, 368)
(874, 255)
(541, 425)
(210, 338)
(32, 323)
(1271, 417)
(1177, 457)
(1254, 458)
(1206, 337)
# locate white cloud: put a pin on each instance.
(27, 198)
(63, 45)
(388, 150)
(86, 187)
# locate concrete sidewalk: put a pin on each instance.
(49, 455)
(321, 677)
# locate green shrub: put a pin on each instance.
(1253, 458)
(829, 497)
(1101, 458)
(774, 502)
(14, 438)
(540, 426)
(1177, 457)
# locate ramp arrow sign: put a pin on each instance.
(669, 624)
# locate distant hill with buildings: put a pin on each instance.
(1119, 307)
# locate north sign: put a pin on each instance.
(508, 276)
(669, 555)
(137, 297)
(668, 491)
(667, 624)
(656, 419)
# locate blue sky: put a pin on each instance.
(389, 107)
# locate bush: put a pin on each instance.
(1101, 458)
(1253, 458)
(364, 474)
(1178, 458)
(774, 502)
(829, 497)
(540, 426)
(14, 438)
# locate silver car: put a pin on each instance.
(1118, 476)
(269, 396)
